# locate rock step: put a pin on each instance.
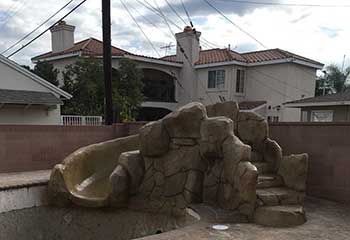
(278, 196)
(263, 167)
(269, 180)
(280, 216)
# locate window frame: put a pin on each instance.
(216, 83)
(323, 111)
(240, 81)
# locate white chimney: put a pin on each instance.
(62, 36)
(188, 42)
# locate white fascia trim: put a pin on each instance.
(316, 104)
(34, 77)
(255, 109)
(308, 64)
(219, 64)
(69, 55)
(288, 60)
(155, 61)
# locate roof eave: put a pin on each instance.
(279, 61)
(156, 61)
(317, 104)
(63, 56)
(219, 64)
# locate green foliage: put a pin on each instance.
(333, 81)
(84, 80)
(46, 71)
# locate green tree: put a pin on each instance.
(84, 80)
(334, 80)
(47, 71)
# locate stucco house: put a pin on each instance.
(328, 108)
(270, 77)
(26, 98)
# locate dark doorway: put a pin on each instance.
(158, 86)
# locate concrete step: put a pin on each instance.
(263, 167)
(278, 196)
(269, 180)
(280, 216)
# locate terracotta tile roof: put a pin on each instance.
(87, 47)
(218, 55)
(94, 47)
(224, 55)
(274, 54)
(249, 105)
(336, 97)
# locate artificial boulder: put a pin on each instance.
(195, 155)
(293, 170)
(186, 121)
(252, 130)
(272, 153)
(151, 135)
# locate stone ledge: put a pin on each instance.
(23, 179)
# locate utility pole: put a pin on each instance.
(107, 60)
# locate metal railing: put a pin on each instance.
(73, 120)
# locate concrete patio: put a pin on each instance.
(326, 220)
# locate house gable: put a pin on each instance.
(15, 77)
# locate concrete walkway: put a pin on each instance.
(326, 221)
(23, 179)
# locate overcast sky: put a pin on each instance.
(319, 33)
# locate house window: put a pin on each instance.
(304, 116)
(216, 79)
(322, 116)
(240, 76)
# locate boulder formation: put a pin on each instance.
(213, 155)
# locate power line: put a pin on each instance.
(34, 30)
(188, 15)
(140, 28)
(276, 79)
(156, 11)
(150, 22)
(42, 33)
(273, 89)
(286, 4)
(176, 13)
(234, 24)
(183, 52)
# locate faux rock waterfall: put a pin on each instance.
(214, 155)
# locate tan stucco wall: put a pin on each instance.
(208, 96)
(280, 83)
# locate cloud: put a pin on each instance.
(305, 31)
